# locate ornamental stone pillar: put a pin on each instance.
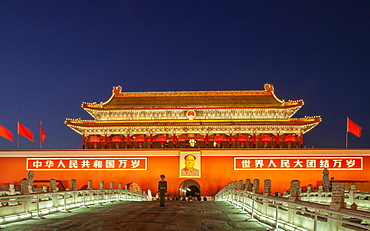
(73, 185)
(295, 190)
(101, 185)
(267, 187)
(325, 179)
(309, 190)
(240, 185)
(337, 199)
(111, 186)
(352, 194)
(119, 185)
(248, 185)
(89, 185)
(11, 189)
(256, 186)
(24, 187)
(53, 185)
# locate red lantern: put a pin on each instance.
(218, 139)
(95, 140)
(117, 140)
(289, 139)
(162, 139)
(140, 140)
(266, 139)
(242, 139)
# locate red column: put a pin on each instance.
(151, 140)
(174, 140)
(83, 142)
(278, 140)
(128, 140)
(301, 140)
(230, 140)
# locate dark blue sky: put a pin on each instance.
(54, 55)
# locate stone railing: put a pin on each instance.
(21, 207)
(291, 213)
(353, 199)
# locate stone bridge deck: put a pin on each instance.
(176, 215)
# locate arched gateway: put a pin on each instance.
(190, 188)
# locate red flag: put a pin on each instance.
(6, 133)
(353, 128)
(42, 134)
(24, 131)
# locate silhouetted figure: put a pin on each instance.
(204, 198)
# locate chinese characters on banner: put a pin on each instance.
(87, 163)
(297, 163)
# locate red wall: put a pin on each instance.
(217, 169)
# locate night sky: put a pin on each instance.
(54, 55)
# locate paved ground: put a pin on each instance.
(176, 215)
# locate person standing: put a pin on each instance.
(162, 190)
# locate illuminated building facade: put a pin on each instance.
(200, 141)
(193, 119)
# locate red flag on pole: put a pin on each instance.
(42, 135)
(6, 133)
(353, 128)
(24, 131)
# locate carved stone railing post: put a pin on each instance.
(101, 184)
(337, 200)
(256, 186)
(89, 185)
(309, 190)
(111, 186)
(119, 185)
(248, 185)
(240, 185)
(351, 195)
(295, 190)
(319, 191)
(53, 185)
(73, 185)
(267, 187)
(11, 189)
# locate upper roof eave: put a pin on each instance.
(192, 99)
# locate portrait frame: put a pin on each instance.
(196, 173)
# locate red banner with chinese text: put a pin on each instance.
(298, 163)
(87, 163)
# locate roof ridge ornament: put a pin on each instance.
(269, 87)
(117, 90)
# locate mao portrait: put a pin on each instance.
(190, 164)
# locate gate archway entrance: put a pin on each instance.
(189, 188)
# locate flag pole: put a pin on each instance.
(40, 134)
(347, 134)
(18, 135)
